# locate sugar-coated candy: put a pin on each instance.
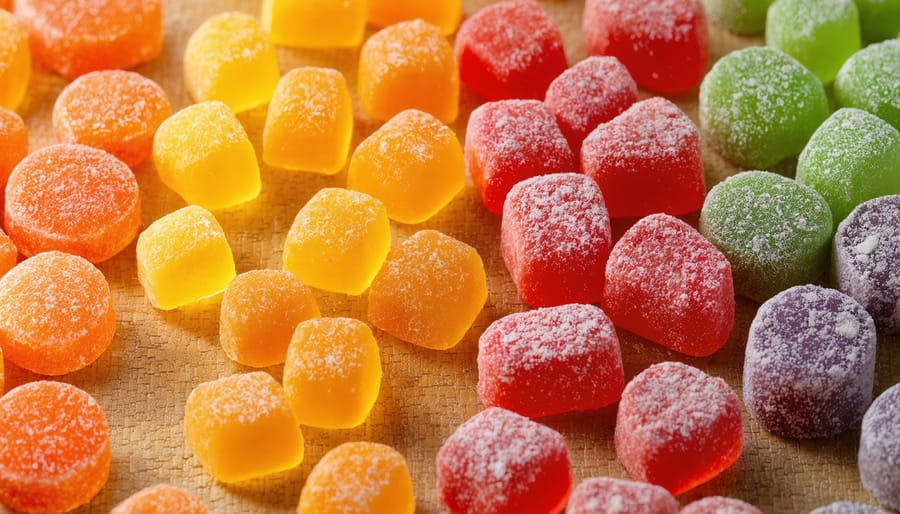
(868, 81)
(9, 254)
(230, 59)
(509, 141)
(54, 447)
(746, 17)
(555, 238)
(203, 153)
(667, 283)
(430, 290)
(13, 142)
(647, 160)
(879, 448)
(241, 427)
(359, 478)
(315, 23)
(260, 310)
(310, 122)
(161, 499)
(332, 374)
(663, 43)
(678, 427)
(775, 231)
(759, 106)
(720, 505)
(183, 257)
(338, 241)
(510, 49)
(499, 462)
(878, 20)
(15, 61)
(413, 163)
(591, 92)
(445, 15)
(408, 65)
(116, 34)
(848, 508)
(551, 360)
(2, 374)
(606, 495)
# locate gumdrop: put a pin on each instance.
(13, 143)
(847, 508)
(610, 495)
(315, 23)
(445, 15)
(879, 446)
(868, 81)
(719, 505)
(161, 498)
(15, 61)
(745, 17)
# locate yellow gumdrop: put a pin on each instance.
(15, 61)
(445, 14)
(315, 23)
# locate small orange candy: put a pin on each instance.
(161, 499)
(15, 61)
(445, 14)
(13, 143)
(6, 4)
(8, 254)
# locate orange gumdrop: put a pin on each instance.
(161, 498)
(8, 254)
(13, 143)
(54, 447)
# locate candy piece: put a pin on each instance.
(310, 122)
(551, 360)
(499, 462)
(332, 374)
(413, 163)
(408, 66)
(54, 447)
(9, 254)
(868, 81)
(847, 508)
(230, 59)
(430, 290)
(746, 17)
(879, 446)
(13, 141)
(260, 310)
(606, 495)
(512, 140)
(592, 92)
(338, 241)
(878, 20)
(2, 374)
(853, 157)
(445, 15)
(819, 35)
(663, 43)
(678, 427)
(359, 478)
(161, 498)
(242, 427)
(6, 4)
(866, 257)
(774, 231)
(720, 505)
(510, 49)
(759, 106)
(315, 23)
(116, 111)
(116, 34)
(666, 283)
(15, 61)
(647, 160)
(555, 239)
(203, 153)
(183, 258)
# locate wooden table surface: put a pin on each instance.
(157, 357)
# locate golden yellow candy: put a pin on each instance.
(15, 61)
(315, 23)
(445, 14)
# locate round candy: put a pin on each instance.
(868, 81)
(719, 505)
(746, 17)
(13, 142)
(847, 508)
(879, 448)
(9, 254)
(606, 495)
(15, 61)
(161, 499)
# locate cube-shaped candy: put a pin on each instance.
(879, 441)
(15, 61)
(868, 80)
(719, 505)
(9, 254)
(13, 142)
(183, 258)
(315, 23)
(161, 498)
(611, 495)
(445, 14)
(203, 153)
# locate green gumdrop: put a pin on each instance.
(739, 16)
(878, 19)
(853, 157)
(821, 34)
(759, 106)
(775, 231)
(870, 80)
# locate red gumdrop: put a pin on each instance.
(606, 495)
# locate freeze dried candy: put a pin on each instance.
(161, 499)
(879, 448)
(606, 495)
(315, 23)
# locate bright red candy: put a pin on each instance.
(647, 160)
(663, 43)
(510, 49)
(555, 239)
(606, 495)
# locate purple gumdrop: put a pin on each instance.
(810, 363)
(848, 508)
(879, 448)
(866, 260)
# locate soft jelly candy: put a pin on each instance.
(13, 142)
(338, 241)
(878, 20)
(746, 17)
(555, 238)
(666, 282)
(445, 14)
(510, 49)
(879, 446)
(499, 462)
(315, 23)
(242, 427)
(868, 81)
(509, 141)
(719, 505)
(161, 498)
(359, 478)
(647, 160)
(759, 106)
(332, 374)
(54, 447)
(606, 495)
(260, 310)
(310, 122)
(430, 290)
(9, 254)
(203, 153)
(678, 427)
(15, 61)
(183, 258)
(408, 66)
(230, 59)
(847, 508)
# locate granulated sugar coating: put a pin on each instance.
(9, 254)
(13, 142)
(720, 505)
(879, 448)
(848, 508)
(15, 61)
(868, 81)
(161, 499)
(606, 495)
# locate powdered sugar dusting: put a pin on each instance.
(606, 495)
(868, 80)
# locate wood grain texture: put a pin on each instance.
(158, 357)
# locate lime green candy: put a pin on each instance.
(879, 19)
(870, 80)
(739, 16)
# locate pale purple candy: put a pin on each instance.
(879, 448)
(866, 259)
(848, 508)
(809, 363)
